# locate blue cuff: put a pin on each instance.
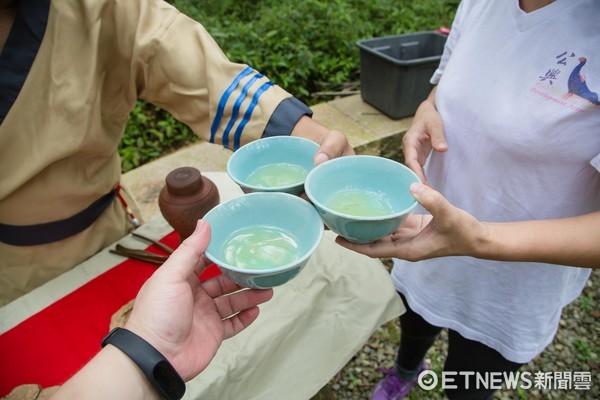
(285, 117)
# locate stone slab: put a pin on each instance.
(333, 118)
(368, 130)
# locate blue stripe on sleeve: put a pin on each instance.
(248, 114)
(236, 108)
(223, 101)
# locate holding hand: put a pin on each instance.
(447, 231)
(450, 231)
(185, 319)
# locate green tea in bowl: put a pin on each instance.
(263, 239)
(260, 247)
(273, 164)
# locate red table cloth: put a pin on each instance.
(53, 344)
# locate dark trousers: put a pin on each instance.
(417, 336)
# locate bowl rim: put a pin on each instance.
(385, 217)
(270, 271)
(235, 155)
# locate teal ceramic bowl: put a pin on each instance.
(361, 198)
(273, 164)
(262, 240)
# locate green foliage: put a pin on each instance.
(151, 132)
(303, 46)
(585, 352)
(586, 304)
(522, 393)
(310, 45)
(390, 332)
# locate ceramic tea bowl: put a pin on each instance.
(361, 198)
(273, 164)
(262, 240)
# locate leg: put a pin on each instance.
(417, 336)
(472, 356)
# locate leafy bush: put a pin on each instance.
(310, 45)
(304, 46)
(150, 133)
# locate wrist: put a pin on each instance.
(308, 128)
(154, 366)
(140, 331)
(111, 374)
(483, 244)
(426, 105)
(127, 371)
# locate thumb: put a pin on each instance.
(189, 255)
(333, 145)
(430, 199)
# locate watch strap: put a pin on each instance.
(153, 364)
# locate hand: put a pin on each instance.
(447, 231)
(332, 143)
(426, 133)
(185, 319)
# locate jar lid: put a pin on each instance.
(183, 181)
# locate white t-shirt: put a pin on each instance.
(520, 147)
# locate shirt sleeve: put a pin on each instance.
(461, 14)
(180, 68)
(596, 162)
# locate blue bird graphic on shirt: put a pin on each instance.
(578, 86)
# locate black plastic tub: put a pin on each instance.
(395, 70)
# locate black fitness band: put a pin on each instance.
(154, 365)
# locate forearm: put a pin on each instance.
(427, 103)
(109, 375)
(431, 96)
(568, 241)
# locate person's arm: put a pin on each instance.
(292, 117)
(567, 241)
(450, 231)
(177, 65)
(109, 375)
(184, 319)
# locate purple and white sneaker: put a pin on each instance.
(391, 387)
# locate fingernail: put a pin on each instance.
(416, 188)
(199, 225)
(321, 158)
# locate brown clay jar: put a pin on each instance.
(186, 197)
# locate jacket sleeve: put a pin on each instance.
(180, 68)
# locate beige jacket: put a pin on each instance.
(60, 130)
